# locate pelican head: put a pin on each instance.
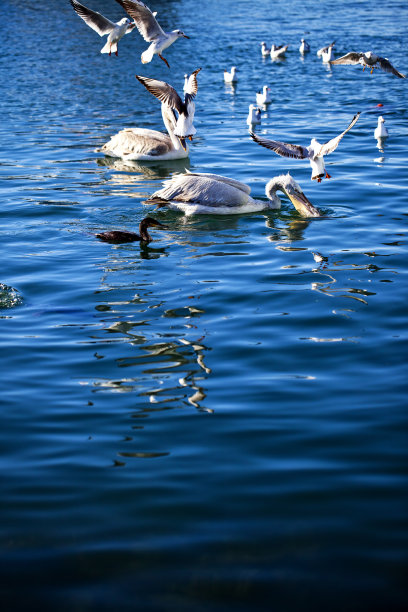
(291, 188)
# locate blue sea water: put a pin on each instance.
(218, 420)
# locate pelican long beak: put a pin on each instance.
(183, 142)
(303, 205)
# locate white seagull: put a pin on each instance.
(264, 49)
(369, 59)
(380, 131)
(278, 51)
(314, 152)
(254, 115)
(103, 26)
(195, 193)
(304, 46)
(231, 77)
(169, 96)
(150, 30)
(326, 53)
(264, 97)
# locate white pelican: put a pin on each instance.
(304, 46)
(263, 97)
(200, 193)
(169, 96)
(380, 131)
(103, 26)
(264, 49)
(133, 144)
(278, 51)
(314, 152)
(254, 115)
(150, 30)
(231, 77)
(121, 236)
(369, 59)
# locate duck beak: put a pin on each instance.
(303, 205)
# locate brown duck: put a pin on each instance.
(119, 236)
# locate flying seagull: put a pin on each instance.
(369, 59)
(150, 30)
(169, 96)
(104, 26)
(314, 152)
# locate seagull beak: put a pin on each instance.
(303, 205)
(185, 36)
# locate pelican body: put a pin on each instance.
(370, 60)
(200, 193)
(121, 236)
(150, 30)
(132, 144)
(380, 131)
(314, 152)
(103, 26)
(254, 115)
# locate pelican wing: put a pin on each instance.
(281, 148)
(349, 58)
(164, 92)
(388, 67)
(94, 20)
(223, 179)
(331, 145)
(144, 19)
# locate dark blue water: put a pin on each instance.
(216, 421)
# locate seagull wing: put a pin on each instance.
(95, 20)
(388, 67)
(164, 92)
(281, 148)
(331, 145)
(144, 19)
(349, 58)
(192, 86)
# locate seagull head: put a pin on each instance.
(180, 34)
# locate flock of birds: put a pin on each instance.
(193, 192)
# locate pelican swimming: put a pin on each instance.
(150, 30)
(278, 51)
(254, 115)
(304, 46)
(231, 77)
(103, 26)
(314, 152)
(169, 96)
(264, 49)
(121, 236)
(200, 193)
(380, 131)
(369, 59)
(263, 97)
(140, 144)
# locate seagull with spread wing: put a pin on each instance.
(370, 60)
(103, 26)
(169, 96)
(150, 30)
(314, 152)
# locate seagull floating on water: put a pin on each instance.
(103, 26)
(231, 77)
(121, 236)
(380, 131)
(314, 152)
(304, 46)
(278, 51)
(195, 193)
(263, 97)
(369, 59)
(326, 53)
(169, 96)
(264, 49)
(150, 30)
(254, 115)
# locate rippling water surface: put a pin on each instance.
(216, 421)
